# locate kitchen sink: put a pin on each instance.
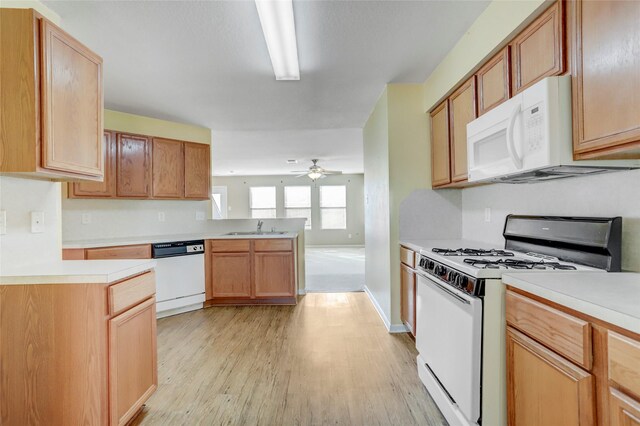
(257, 233)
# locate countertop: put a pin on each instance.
(75, 272)
(613, 297)
(154, 239)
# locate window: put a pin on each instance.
(333, 207)
(297, 203)
(262, 201)
(219, 197)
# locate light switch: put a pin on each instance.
(86, 218)
(199, 215)
(37, 222)
(161, 217)
(3, 222)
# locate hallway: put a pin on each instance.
(334, 269)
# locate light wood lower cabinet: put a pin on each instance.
(139, 251)
(408, 297)
(565, 368)
(274, 274)
(133, 372)
(251, 271)
(66, 360)
(230, 274)
(545, 389)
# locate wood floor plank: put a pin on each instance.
(326, 361)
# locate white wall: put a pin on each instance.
(377, 214)
(19, 197)
(614, 194)
(435, 215)
(238, 204)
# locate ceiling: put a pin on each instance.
(247, 153)
(206, 62)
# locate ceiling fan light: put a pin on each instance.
(313, 175)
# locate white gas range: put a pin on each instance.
(460, 321)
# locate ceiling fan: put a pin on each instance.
(316, 172)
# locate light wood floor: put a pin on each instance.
(328, 360)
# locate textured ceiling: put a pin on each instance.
(206, 62)
(267, 152)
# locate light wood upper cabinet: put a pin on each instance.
(133, 372)
(52, 102)
(462, 111)
(606, 83)
(545, 389)
(538, 51)
(97, 189)
(197, 171)
(494, 82)
(133, 157)
(168, 168)
(440, 159)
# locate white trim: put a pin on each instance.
(376, 305)
(398, 328)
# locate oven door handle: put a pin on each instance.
(446, 290)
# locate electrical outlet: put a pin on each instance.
(37, 222)
(161, 217)
(199, 215)
(86, 218)
(3, 222)
(487, 214)
(350, 236)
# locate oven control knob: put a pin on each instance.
(453, 278)
(430, 265)
(439, 270)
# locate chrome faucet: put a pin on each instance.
(260, 225)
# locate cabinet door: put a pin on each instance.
(71, 89)
(623, 410)
(274, 275)
(538, 51)
(133, 372)
(168, 168)
(606, 91)
(440, 168)
(543, 388)
(133, 166)
(462, 104)
(494, 82)
(230, 275)
(106, 188)
(197, 170)
(408, 297)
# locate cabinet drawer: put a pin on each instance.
(273, 245)
(407, 257)
(565, 334)
(229, 246)
(131, 292)
(142, 251)
(624, 362)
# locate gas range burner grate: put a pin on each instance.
(472, 252)
(517, 264)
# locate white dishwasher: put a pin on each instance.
(180, 278)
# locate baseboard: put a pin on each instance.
(398, 328)
(376, 305)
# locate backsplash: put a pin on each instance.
(18, 198)
(613, 194)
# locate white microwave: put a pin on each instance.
(528, 139)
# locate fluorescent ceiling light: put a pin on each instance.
(276, 18)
